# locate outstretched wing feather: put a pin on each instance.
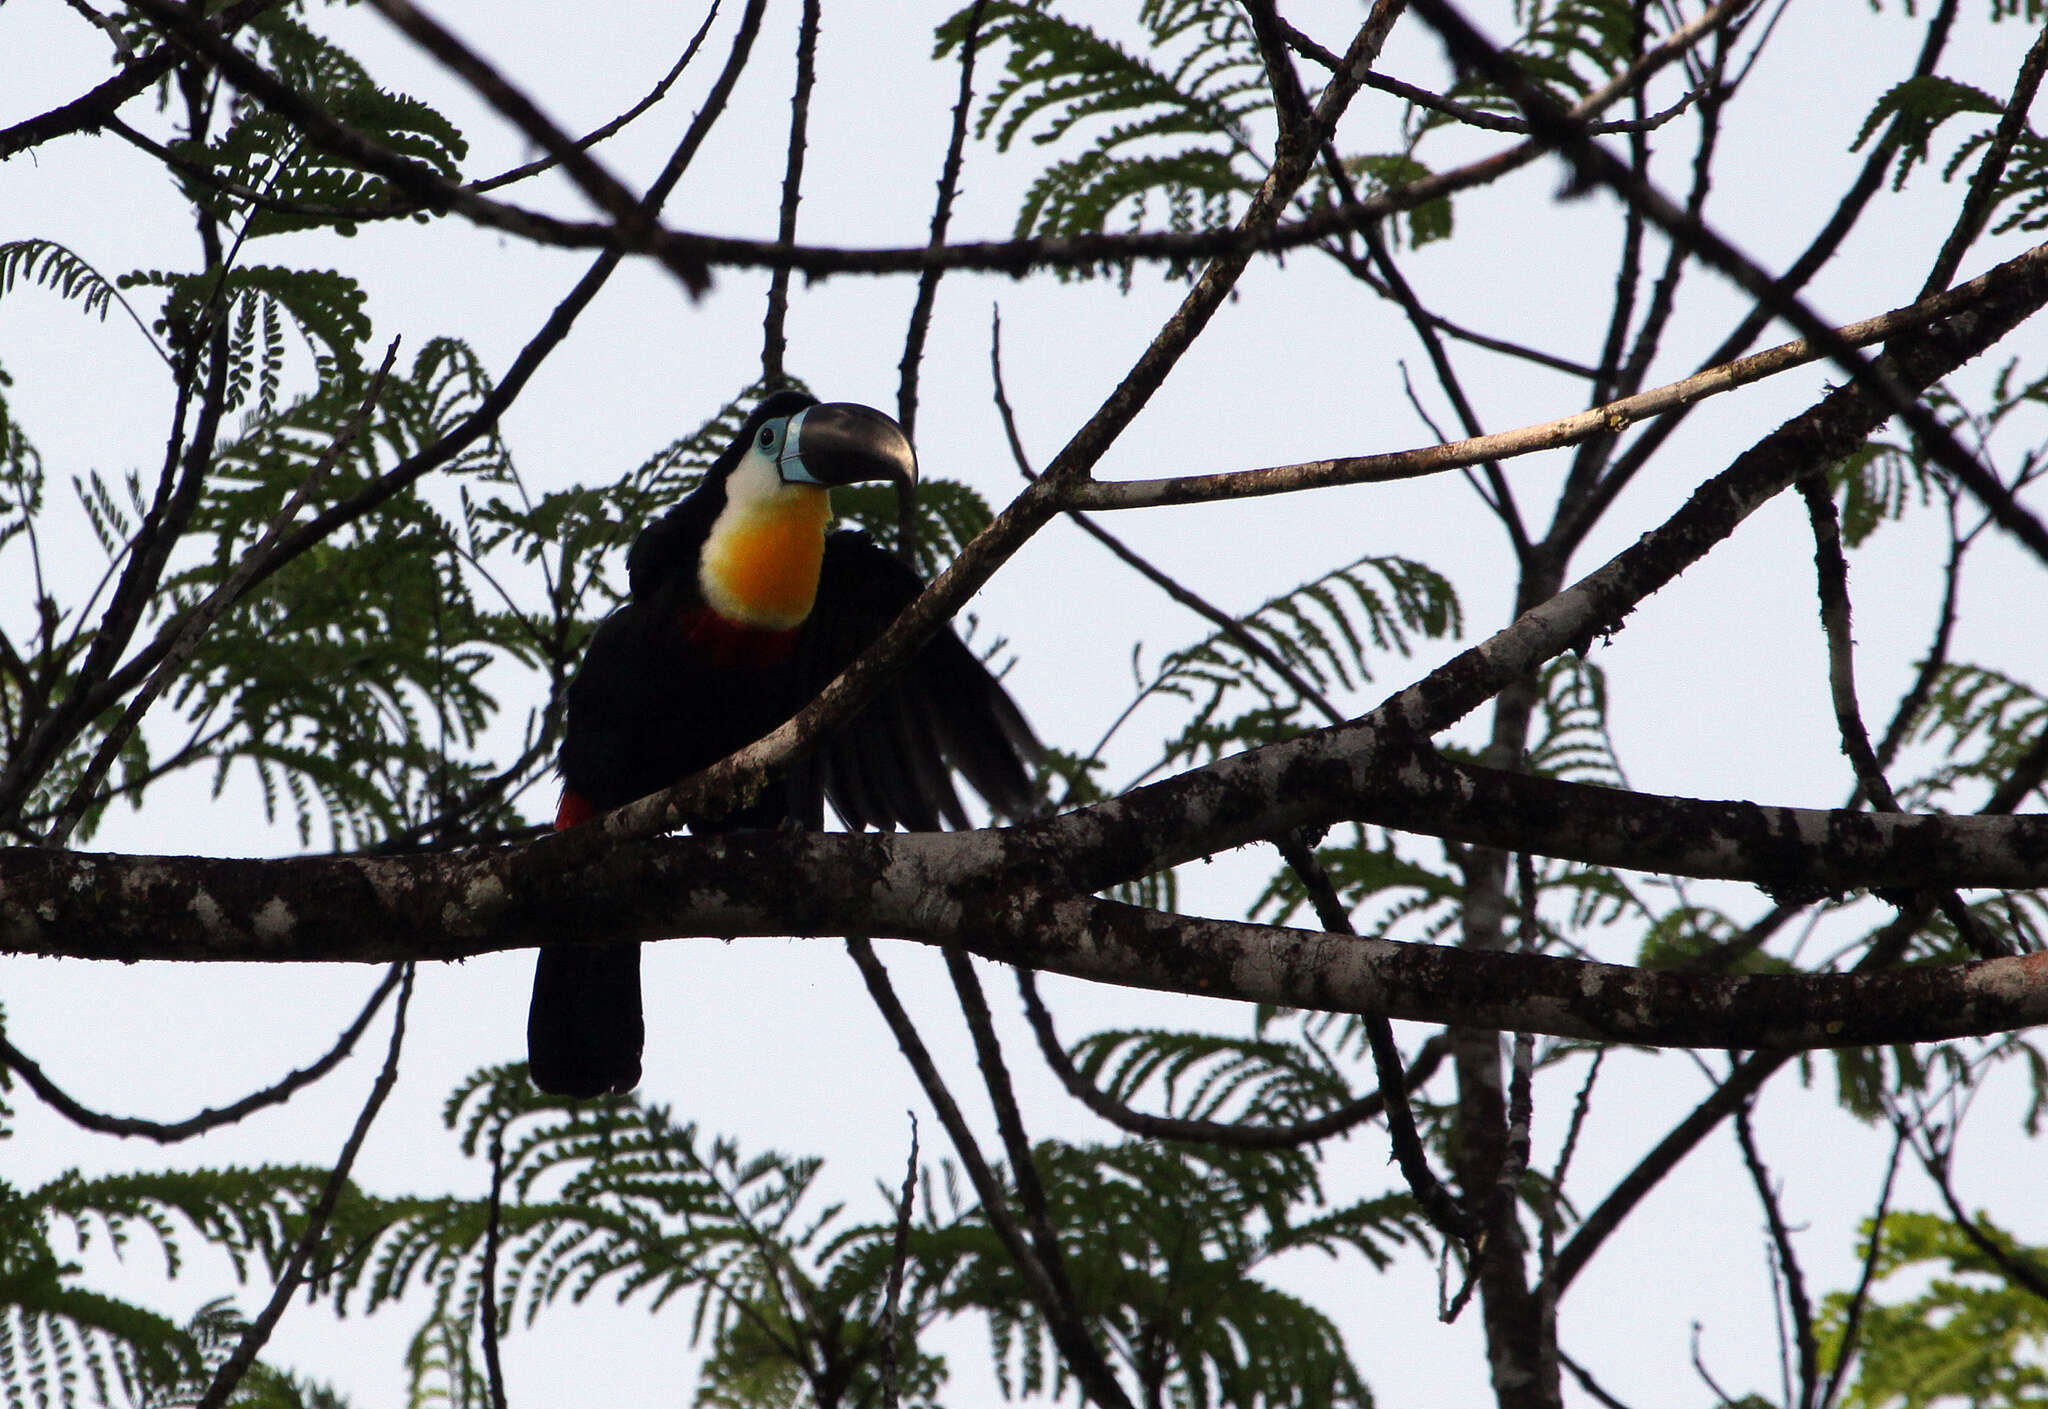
(891, 766)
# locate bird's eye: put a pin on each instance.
(767, 437)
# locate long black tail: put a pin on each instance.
(584, 1030)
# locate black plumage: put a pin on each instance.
(668, 687)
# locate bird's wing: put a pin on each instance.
(892, 766)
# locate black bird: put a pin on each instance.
(742, 608)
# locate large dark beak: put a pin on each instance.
(841, 443)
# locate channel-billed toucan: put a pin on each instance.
(742, 608)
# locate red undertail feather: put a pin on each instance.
(575, 808)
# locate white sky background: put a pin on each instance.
(1719, 685)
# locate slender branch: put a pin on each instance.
(1223, 621)
(170, 1132)
(690, 254)
(995, 1074)
(1595, 165)
(1080, 1352)
(1544, 435)
(1832, 573)
(488, 1273)
(2021, 1271)
(1450, 1217)
(617, 125)
(90, 111)
(773, 343)
(1588, 1383)
(908, 366)
(293, 1272)
(899, 1257)
(1977, 204)
(1852, 1321)
(1797, 1302)
(1496, 122)
(1731, 1095)
(1836, 425)
(419, 182)
(1573, 526)
(631, 214)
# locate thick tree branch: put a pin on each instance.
(447, 907)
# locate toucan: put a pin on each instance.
(742, 606)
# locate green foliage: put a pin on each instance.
(1161, 1246)
(1369, 869)
(1384, 172)
(49, 265)
(1698, 936)
(1566, 47)
(1169, 131)
(1206, 1077)
(260, 171)
(1570, 738)
(2023, 184)
(616, 1198)
(1875, 485)
(1325, 632)
(352, 680)
(1912, 111)
(21, 475)
(1983, 721)
(1971, 1336)
(325, 307)
(60, 1341)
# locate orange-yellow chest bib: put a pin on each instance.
(761, 560)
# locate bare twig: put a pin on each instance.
(1080, 1351)
(488, 1274)
(1223, 621)
(1852, 1321)
(629, 212)
(1976, 209)
(1588, 1383)
(995, 1074)
(616, 125)
(773, 343)
(1595, 165)
(907, 368)
(2022, 1272)
(89, 111)
(170, 1132)
(899, 1256)
(1832, 573)
(1796, 1301)
(1438, 1204)
(1546, 435)
(293, 1272)
(1573, 526)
